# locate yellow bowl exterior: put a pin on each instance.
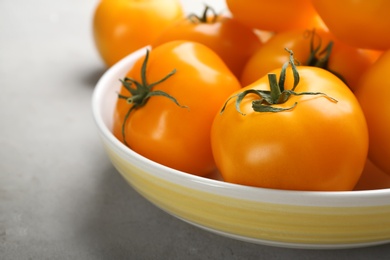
(255, 221)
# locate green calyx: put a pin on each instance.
(319, 57)
(277, 93)
(204, 18)
(142, 91)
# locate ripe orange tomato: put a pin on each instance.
(121, 27)
(275, 15)
(372, 93)
(315, 142)
(361, 23)
(345, 61)
(154, 125)
(231, 40)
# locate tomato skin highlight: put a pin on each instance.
(275, 15)
(319, 145)
(373, 94)
(360, 23)
(161, 130)
(116, 25)
(233, 42)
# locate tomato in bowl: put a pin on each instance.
(285, 218)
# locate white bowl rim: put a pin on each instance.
(358, 198)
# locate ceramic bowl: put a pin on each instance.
(294, 219)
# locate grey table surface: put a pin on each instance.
(60, 197)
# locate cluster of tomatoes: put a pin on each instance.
(277, 94)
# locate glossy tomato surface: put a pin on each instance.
(318, 145)
(373, 94)
(275, 15)
(361, 23)
(161, 130)
(234, 42)
(123, 26)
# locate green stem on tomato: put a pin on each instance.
(140, 92)
(277, 93)
(205, 16)
(320, 57)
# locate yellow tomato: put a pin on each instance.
(274, 15)
(234, 42)
(305, 142)
(361, 23)
(310, 48)
(373, 92)
(121, 27)
(157, 128)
